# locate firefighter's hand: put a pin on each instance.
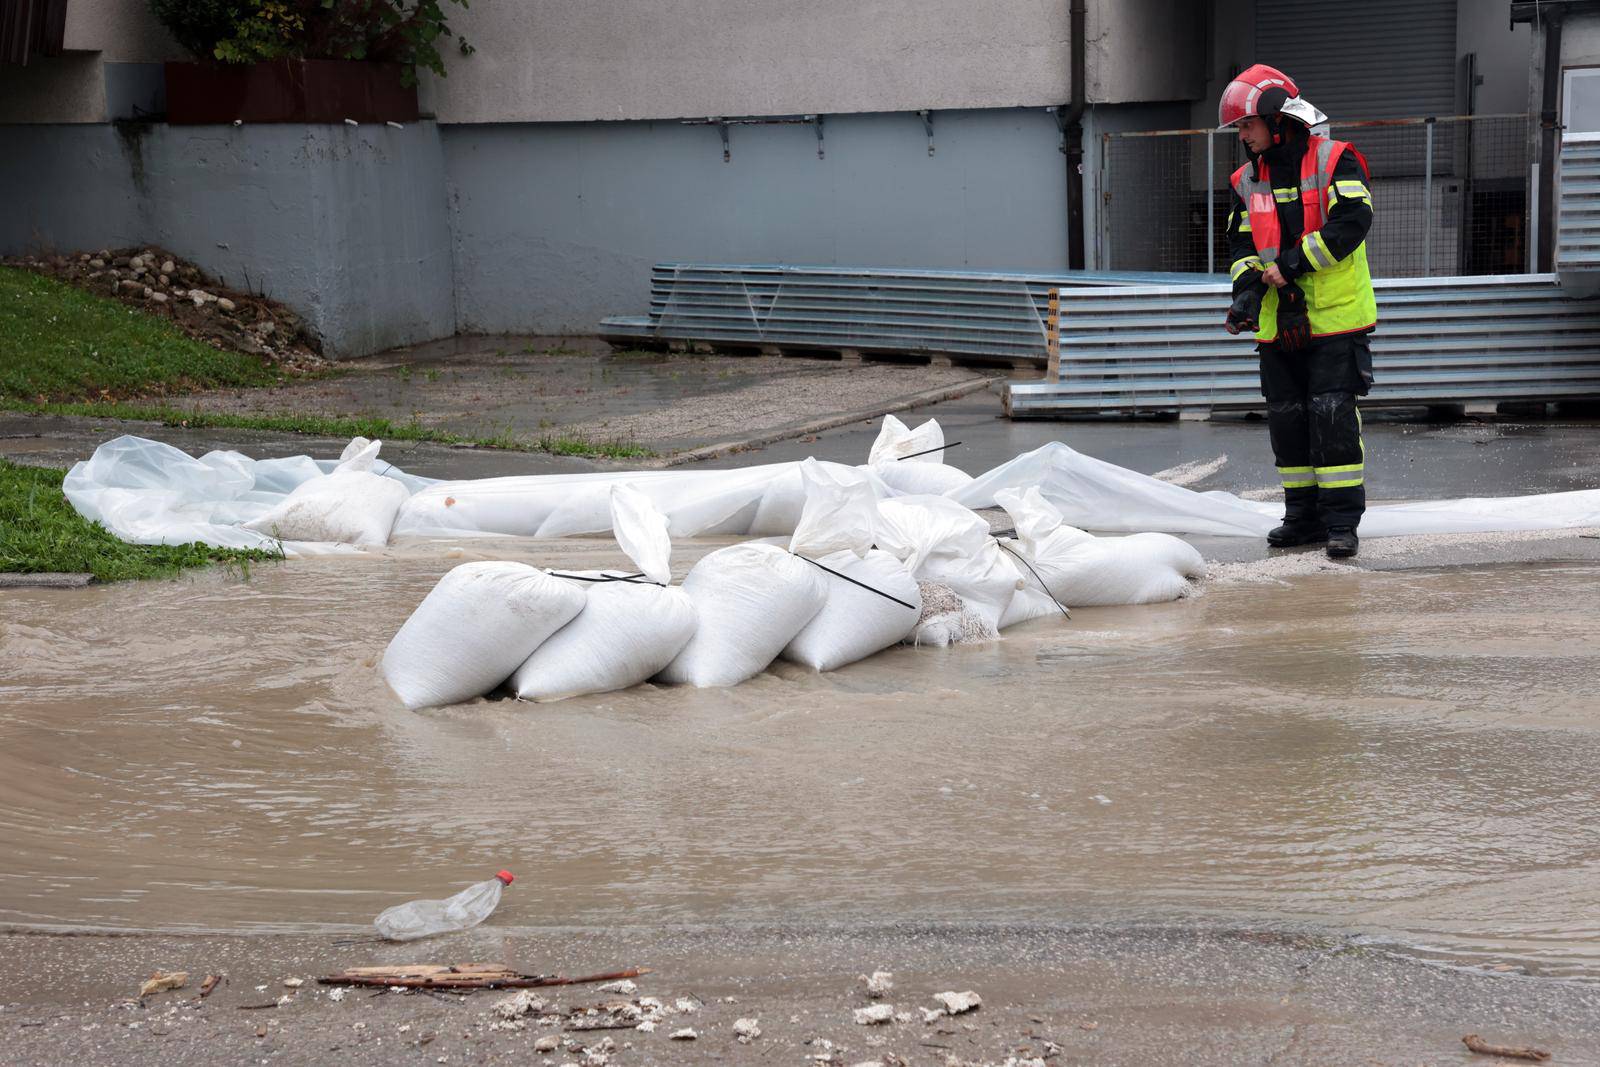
(1274, 277)
(1294, 322)
(1244, 312)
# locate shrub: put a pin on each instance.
(244, 31)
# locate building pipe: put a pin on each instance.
(1072, 126)
(1549, 123)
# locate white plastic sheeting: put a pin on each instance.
(149, 493)
(152, 493)
(1093, 494)
(761, 501)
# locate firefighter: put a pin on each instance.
(1297, 241)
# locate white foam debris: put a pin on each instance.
(686, 1034)
(746, 1030)
(687, 1006)
(878, 984)
(874, 1015)
(956, 1003)
(625, 987)
(519, 1004)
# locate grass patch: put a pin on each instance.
(339, 426)
(64, 351)
(60, 343)
(40, 533)
(577, 446)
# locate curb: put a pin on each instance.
(829, 422)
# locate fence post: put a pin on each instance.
(1427, 202)
(1211, 203)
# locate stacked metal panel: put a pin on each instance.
(1140, 349)
(1578, 239)
(970, 315)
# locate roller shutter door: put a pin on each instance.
(1364, 59)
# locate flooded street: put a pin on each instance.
(1410, 755)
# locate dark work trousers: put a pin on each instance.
(1316, 428)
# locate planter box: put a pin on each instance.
(288, 90)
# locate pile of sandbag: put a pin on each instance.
(551, 635)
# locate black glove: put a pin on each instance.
(1294, 322)
(1245, 311)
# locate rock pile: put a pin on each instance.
(202, 307)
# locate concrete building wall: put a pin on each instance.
(556, 226)
(1502, 55)
(347, 226)
(1141, 51)
(122, 31)
(1580, 40)
(583, 60)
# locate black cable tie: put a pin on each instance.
(925, 451)
(852, 581)
(1036, 577)
(631, 579)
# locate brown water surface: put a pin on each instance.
(1413, 756)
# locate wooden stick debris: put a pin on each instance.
(210, 984)
(1475, 1043)
(466, 976)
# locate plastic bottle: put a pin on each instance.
(424, 918)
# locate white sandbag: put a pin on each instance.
(1031, 602)
(941, 541)
(916, 478)
(895, 439)
(351, 505)
(751, 600)
(473, 630)
(837, 529)
(839, 512)
(911, 462)
(1144, 568)
(1081, 570)
(628, 630)
(641, 531)
(855, 622)
(626, 633)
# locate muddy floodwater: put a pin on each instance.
(1408, 756)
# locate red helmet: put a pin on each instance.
(1264, 91)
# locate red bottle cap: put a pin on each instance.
(506, 876)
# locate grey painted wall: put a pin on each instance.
(556, 226)
(346, 225)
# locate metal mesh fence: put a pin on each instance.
(1450, 196)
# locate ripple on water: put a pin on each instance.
(1414, 754)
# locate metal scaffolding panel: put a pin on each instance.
(1578, 236)
(1138, 349)
(970, 315)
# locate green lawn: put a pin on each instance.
(40, 533)
(64, 351)
(60, 343)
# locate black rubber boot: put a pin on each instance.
(1342, 542)
(1297, 533)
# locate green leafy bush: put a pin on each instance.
(244, 31)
